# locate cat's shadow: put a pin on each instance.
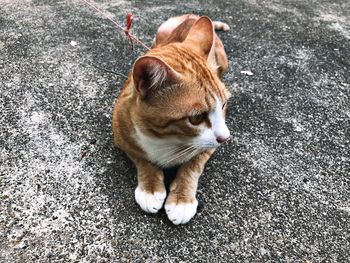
(169, 176)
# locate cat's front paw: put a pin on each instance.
(149, 202)
(181, 213)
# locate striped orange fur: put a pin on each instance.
(171, 111)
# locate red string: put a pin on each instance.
(126, 30)
(129, 19)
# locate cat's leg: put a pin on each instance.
(181, 204)
(150, 192)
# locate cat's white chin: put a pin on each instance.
(181, 213)
(149, 202)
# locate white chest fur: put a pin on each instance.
(163, 152)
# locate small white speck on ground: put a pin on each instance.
(263, 251)
(73, 43)
(247, 72)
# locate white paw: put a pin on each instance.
(181, 213)
(151, 203)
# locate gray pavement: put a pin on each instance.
(278, 192)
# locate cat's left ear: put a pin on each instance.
(202, 37)
(150, 74)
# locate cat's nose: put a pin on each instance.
(222, 139)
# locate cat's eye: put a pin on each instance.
(197, 119)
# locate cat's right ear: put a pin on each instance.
(151, 74)
(202, 37)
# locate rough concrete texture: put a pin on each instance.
(278, 192)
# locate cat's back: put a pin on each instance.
(175, 29)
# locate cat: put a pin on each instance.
(171, 111)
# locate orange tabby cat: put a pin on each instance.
(171, 111)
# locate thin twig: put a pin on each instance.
(109, 71)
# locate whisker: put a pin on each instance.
(190, 150)
(171, 147)
(203, 145)
(170, 157)
(174, 150)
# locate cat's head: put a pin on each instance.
(180, 97)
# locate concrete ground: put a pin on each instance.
(278, 192)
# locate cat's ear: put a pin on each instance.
(151, 73)
(202, 37)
